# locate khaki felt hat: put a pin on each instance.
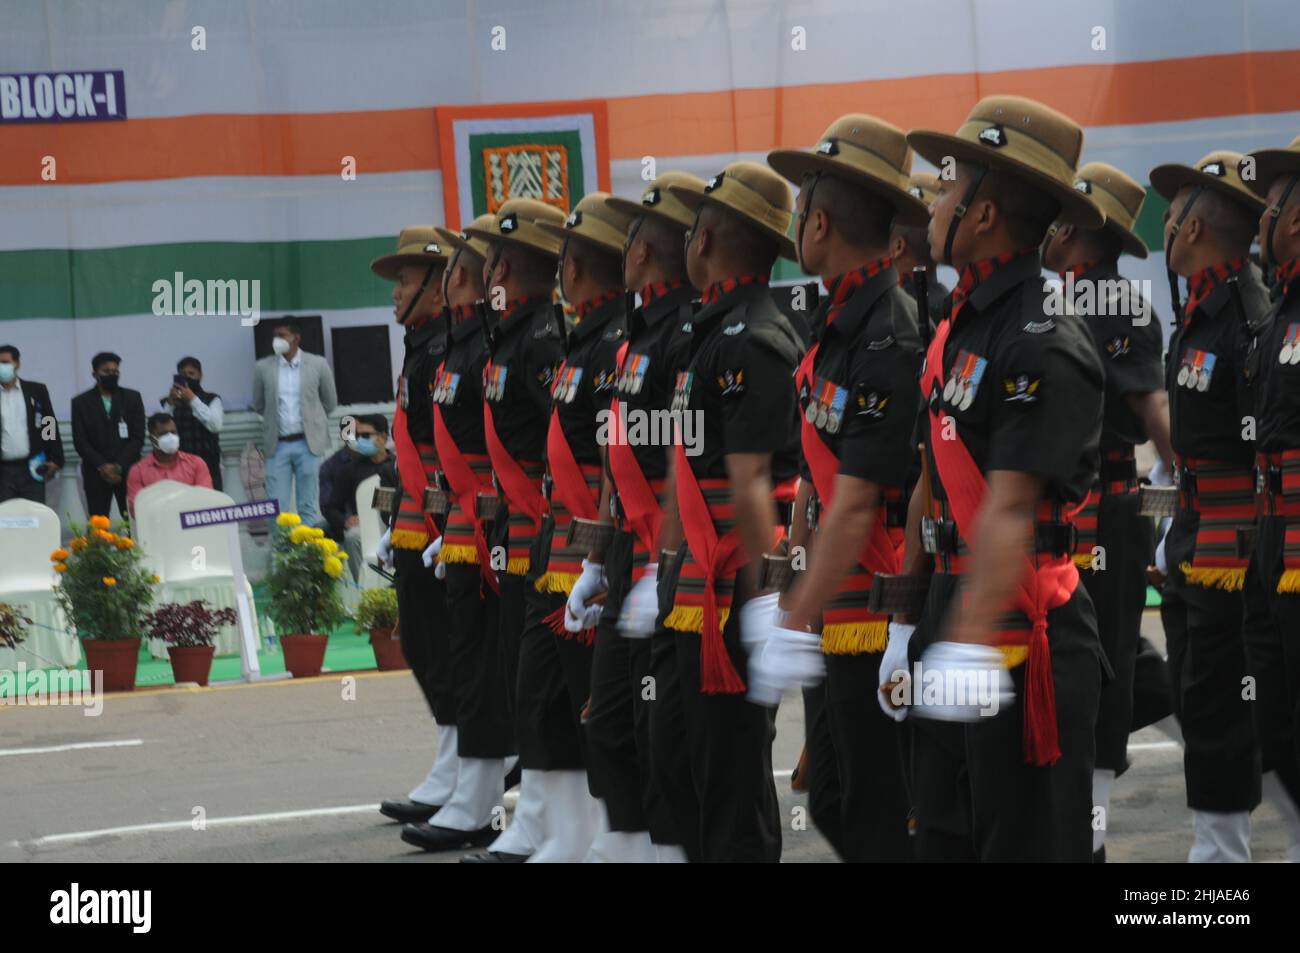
(1024, 138)
(517, 222)
(1217, 171)
(466, 242)
(416, 245)
(865, 152)
(1271, 163)
(754, 193)
(923, 186)
(659, 202)
(593, 221)
(1119, 197)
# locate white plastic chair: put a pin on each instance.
(30, 532)
(372, 527)
(192, 563)
(146, 527)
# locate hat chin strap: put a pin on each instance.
(428, 276)
(1175, 296)
(960, 212)
(1274, 216)
(803, 220)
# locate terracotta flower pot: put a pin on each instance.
(388, 650)
(116, 658)
(304, 654)
(191, 663)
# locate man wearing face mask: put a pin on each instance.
(108, 432)
(368, 455)
(199, 416)
(294, 393)
(167, 462)
(30, 449)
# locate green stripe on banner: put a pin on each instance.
(102, 282)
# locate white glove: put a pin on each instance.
(1160, 474)
(779, 658)
(431, 552)
(1162, 562)
(894, 663)
(384, 551)
(974, 682)
(590, 584)
(641, 607)
(440, 570)
(590, 617)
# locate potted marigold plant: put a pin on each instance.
(189, 630)
(376, 612)
(104, 589)
(303, 586)
(13, 626)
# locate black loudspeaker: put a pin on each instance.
(801, 318)
(313, 335)
(366, 374)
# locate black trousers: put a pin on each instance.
(857, 785)
(100, 495)
(16, 483)
(1153, 687)
(975, 797)
(1118, 593)
(677, 819)
(1272, 639)
(554, 681)
(422, 614)
(619, 712)
(484, 727)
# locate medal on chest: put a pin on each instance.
(633, 377)
(445, 392)
(682, 391)
(1196, 369)
(565, 386)
(494, 382)
(964, 379)
(825, 409)
(1290, 353)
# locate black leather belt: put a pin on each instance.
(939, 537)
(285, 438)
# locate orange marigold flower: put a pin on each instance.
(105, 535)
(77, 543)
(60, 567)
(123, 542)
(156, 579)
(109, 581)
(99, 522)
(59, 555)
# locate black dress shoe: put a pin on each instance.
(494, 857)
(408, 811)
(431, 837)
(513, 776)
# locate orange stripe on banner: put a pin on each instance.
(741, 120)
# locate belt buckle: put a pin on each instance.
(930, 535)
(548, 485)
(812, 511)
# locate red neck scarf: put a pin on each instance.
(1287, 275)
(720, 289)
(980, 271)
(842, 288)
(1206, 280)
(590, 305)
(658, 289)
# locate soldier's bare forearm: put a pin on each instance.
(839, 539)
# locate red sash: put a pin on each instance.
(638, 500)
(410, 469)
(720, 559)
(1041, 588)
(466, 487)
(879, 554)
(521, 494)
(569, 484)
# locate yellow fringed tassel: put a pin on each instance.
(691, 618)
(1083, 560)
(1233, 580)
(1013, 655)
(855, 638)
(458, 554)
(409, 539)
(561, 582)
(517, 566)
(1290, 581)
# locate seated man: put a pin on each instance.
(167, 462)
(368, 455)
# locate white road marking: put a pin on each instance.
(1154, 746)
(78, 746)
(163, 826)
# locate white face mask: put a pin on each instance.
(7, 373)
(280, 346)
(168, 443)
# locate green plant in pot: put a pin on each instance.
(376, 613)
(104, 589)
(303, 589)
(189, 630)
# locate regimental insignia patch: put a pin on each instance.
(1022, 389)
(871, 403)
(1118, 346)
(731, 382)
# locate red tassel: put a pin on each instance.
(1041, 741)
(717, 675)
(555, 622)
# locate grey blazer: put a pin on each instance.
(317, 395)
